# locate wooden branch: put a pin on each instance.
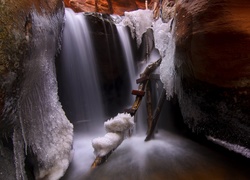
(149, 105)
(139, 95)
(144, 80)
(100, 160)
(156, 115)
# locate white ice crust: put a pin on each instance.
(117, 129)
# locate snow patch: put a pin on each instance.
(138, 22)
(103, 145)
(117, 129)
(120, 123)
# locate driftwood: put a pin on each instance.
(144, 82)
(149, 106)
(100, 160)
(156, 115)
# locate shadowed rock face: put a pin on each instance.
(31, 115)
(105, 6)
(217, 35)
(213, 59)
(15, 35)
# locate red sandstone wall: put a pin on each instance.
(105, 6)
(216, 35)
(213, 63)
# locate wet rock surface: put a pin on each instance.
(30, 38)
(105, 6)
(213, 60)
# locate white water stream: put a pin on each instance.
(169, 156)
(80, 79)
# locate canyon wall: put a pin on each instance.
(36, 137)
(212, 59)
(105, 6)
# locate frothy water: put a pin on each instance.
(168, 156)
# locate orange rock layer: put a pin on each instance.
(105, 6)
(216, 37)
(213, 58)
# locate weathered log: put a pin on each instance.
(149, 106)
(100, 160)
(156, 115)
(138, 93)
(142, 79)
(149, 69)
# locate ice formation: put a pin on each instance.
(103, 145)
(167, 67)
(162, 35)
(116, 128)
(141, 20)
(120, 123)
(233, 147)
(44, 130)
(138, 22)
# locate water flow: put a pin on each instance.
(127, 51)
(169, 156)
(80, 89)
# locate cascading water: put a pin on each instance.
(80, 89)
(169, 156)
(124, 38)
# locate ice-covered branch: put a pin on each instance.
(119, 126)
(116, 128)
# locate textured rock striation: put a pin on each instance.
(105, 6)
(32, 118)
(212, 59)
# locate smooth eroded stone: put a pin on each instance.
(213, 60)
(105, 6)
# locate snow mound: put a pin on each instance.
(120, 123)
(103, 145)
(116, 129)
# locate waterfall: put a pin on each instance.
(82, 91)
(80, 87)
(169, 155)
(127, 51)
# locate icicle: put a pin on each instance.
(232, 147)
(19, 156)
(146, 4)
(164, 40)
(22, 129)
